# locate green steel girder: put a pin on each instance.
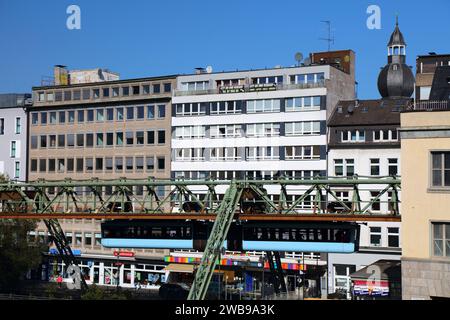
(214, 245)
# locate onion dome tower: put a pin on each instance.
(396, 79)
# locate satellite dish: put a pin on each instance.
(209, 69)
(298, 57)
(307, 62)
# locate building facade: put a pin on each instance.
(13, 135)
(425, 157)
(105, 130)
(426, 66)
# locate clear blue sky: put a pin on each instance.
(151, 38)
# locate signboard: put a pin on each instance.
(55, 252)
(125, 254)
(370, 288)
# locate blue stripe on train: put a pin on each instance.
(333, 247)
(148, 243)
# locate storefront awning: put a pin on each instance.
(174, 267)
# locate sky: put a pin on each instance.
(143, 38)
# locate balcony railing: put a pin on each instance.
(429, 106)
(251, 88)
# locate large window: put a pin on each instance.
(393, 166)
(440, 170)
(221, 154)
(302, 103)
(190, 154)
(307, 78)
(375, 236)
(393, 237)
(344, 167)
(190, 132)
(385, 135)
(302, 128)
(263, 129)
(268, 105)
(262, 153)
(353, 136)
(226, 107)
(441, 239)
(194, 86)
(189, 109)
(302, 152)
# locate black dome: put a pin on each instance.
(396, 80)
(397, 38)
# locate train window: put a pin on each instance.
(293, 234)
(277, 234)
(156, 232)
(303, 234)
(285, 234)
(259, 234)
(188, 233)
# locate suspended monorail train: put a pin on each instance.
(339, 237)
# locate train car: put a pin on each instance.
(300, 237)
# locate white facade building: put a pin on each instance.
(13, 135)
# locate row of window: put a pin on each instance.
(255, 174)
(251, 153)
(98, 164)
(346, 167)
(17, 126)
(99, 139)
(251, 130)
(99, 115)
(252, 106)
(360, 135)
(293, 79)
(103, 92)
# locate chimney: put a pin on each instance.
(61, 75)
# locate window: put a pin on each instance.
(119, 114)
(105, 92)
(156, 88)
(375, 203)
(139, 137)
(150, 137)
(70, 165)
(130, 113)
(89, 140)
(262, 153)
(119, 138)
(34, 142)
(87, 239)
(80, 140)
(302, 152)
(16, 169)
(374, 167)
(110, 114)
(129, 137)
(43, 118)
(52, 141)
(34, 121)
(61, 141)
(33, 165)
(115, 91)
(70, 140)
(80, 162)
(61, 165)
(80, 116)
(375, 236)
(99, 140)
(189, 109)
(393, 167)
(136, 90)
(161, 111)
(139, 163)
(161, 136)
(129, 163)
(100, 115)
(225, 153)
(257, 106)
(90, 115)
(71, 116)
(195, 86)
(52, 118)
(44, 141)
(263, 130)
(440, 170)
(140, 112)
(302, 103)
(146, 89)
(192, 132)
(161, 163)
(393, 237)
(189, 154)
(108, 163)
(150, 163)
(125, 91)
(385, 135)
(96, 93)
(167, 87)
(344, 167)
(119, 163)
(151, 112)
(302, 128)
(353, 136)
(441, 239)
(109, 139)
(42, 165)
(86, 94)
(99, 164)
(13, 149)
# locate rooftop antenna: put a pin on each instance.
(330, 39)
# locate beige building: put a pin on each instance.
(108, 130)
(425, 171)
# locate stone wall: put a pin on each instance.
(423, 279)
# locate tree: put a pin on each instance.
(17, 255)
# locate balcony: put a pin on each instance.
(251, 88)
(429, 106)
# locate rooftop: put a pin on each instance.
(12, 100)
(368, 112)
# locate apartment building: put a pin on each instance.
(425, 157)
(105, 130)
(13, 135)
